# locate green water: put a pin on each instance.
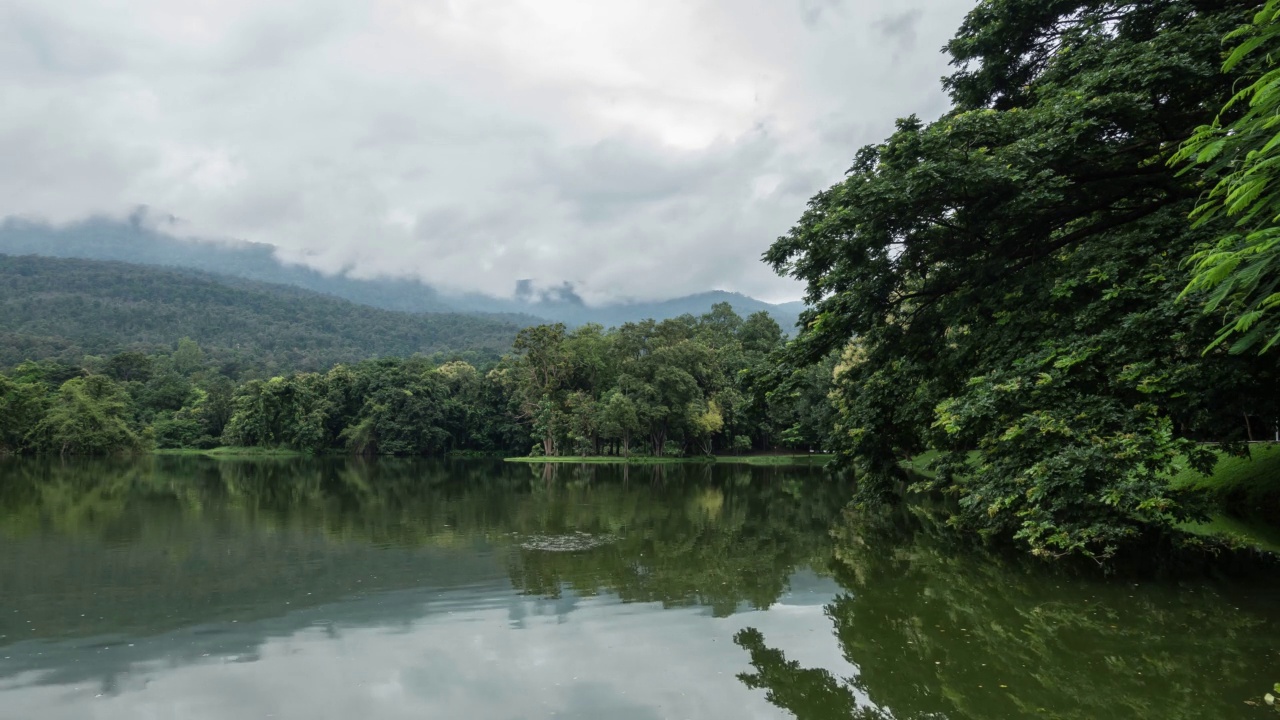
(181, 587)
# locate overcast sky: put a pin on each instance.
(636, 148)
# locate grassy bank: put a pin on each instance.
(812, 459)
(782, 460)
(1242, 484)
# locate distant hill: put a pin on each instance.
(565, 306)
(103, 239)
(65, 308)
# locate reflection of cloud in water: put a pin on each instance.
(424, 654)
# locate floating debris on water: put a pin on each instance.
(572, 542)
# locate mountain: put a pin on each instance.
(563, 305)
(133, 242)
(65, 308)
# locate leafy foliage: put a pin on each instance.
(1240, 272)
(684, 386)
(1002, 284)
(87, 416)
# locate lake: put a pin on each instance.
(188, 587)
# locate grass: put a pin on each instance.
(810, 459)
(1251, 480)
(605, 460)
(1240, 531)
(648, 460)
(1248, 491)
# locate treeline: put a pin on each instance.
(678, 387)
(133, 402)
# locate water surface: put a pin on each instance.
(220, 589)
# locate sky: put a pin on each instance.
(638, 149)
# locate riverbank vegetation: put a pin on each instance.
(663, 390)
(781, 460)
(1014, 284)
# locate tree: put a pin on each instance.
(165, 390)
(760, 333)
(1240, 272)
(584, 422)
(539, 369)
(619, 419)
(400, 417)
(87, 417)
(131, 366)
(1003, 282)
(21, 407)
(188, 357)
(280, 412)
(707, 423)
(49, 373)
(721, 325)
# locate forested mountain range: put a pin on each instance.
(133, 242)
(53, 308)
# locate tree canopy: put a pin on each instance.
(1003, 282)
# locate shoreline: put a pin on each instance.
(814, 460)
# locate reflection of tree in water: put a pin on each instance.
(941, 631)
(715, 537)
(808, 693)
(172, 538)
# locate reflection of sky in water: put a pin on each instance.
(481, 651)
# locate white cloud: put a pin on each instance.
(640, 148)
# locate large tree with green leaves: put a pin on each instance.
(1002, 283)
(87, 416)
(22, 405)
(1240, 155)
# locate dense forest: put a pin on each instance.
(1062, 284)
(679, 387)
(58, 309)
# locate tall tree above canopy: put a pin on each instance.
(1010, 272)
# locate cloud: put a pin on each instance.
(637, 148)
(901, 27)
(813, 10)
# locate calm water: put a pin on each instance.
(194, 588)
